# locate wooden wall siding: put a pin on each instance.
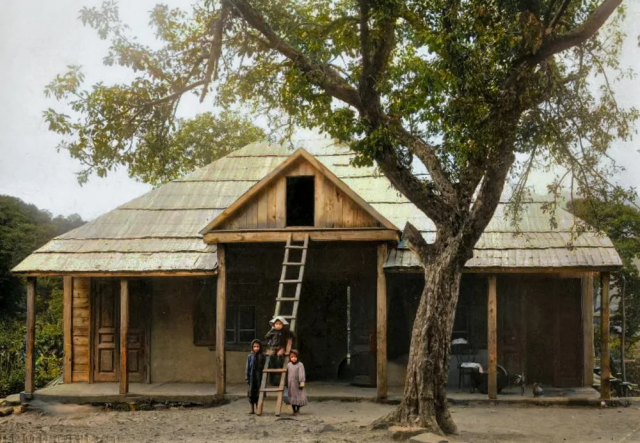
(81, 329)
(267, 210)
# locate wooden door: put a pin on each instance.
(568, 336)
(138, 336)
(106, 336)
(106, 312)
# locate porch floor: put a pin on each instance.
(202, 393)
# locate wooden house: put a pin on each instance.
(172, 286)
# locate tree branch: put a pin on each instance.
(417, 191)
(582, 33)
(418, 245)
(216, 49)
(319, 74)
(556, 18)
(426, 154)
(171, 97)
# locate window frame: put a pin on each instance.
(288, 185)
(234, 310)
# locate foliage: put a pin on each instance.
(24, 228)
(118, 126)
(621, 223)
(453, 88)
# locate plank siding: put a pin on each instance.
(80, 331)
(267, 209)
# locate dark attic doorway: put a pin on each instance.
(300, 201)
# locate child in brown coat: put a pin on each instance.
(295, 383)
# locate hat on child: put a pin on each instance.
(280, 319)
(294, 351)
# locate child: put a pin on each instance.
(295, 383)
(277, 339)
(255, 365)
(278, 336)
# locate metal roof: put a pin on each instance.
(158, 231)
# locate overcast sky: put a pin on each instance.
(38, 39)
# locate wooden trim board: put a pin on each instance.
(314, 235)
(83, 274)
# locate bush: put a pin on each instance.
(12, 354)
(48, 346)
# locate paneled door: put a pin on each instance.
(106, 335)
(106, 313)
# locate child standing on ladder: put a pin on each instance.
(277, 339)
(295, 383)
(255, 365)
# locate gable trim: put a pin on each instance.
(262, 184)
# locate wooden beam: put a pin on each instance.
(381, 324)
(82, 274)
(124, 332)
(605, 370)
(221, 314)
(67, 322)
(558, 272)
(492, 337)
(298, 234)
(587, 329)
(29, 382)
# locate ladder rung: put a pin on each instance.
(287, 299)
(271, 390)
(295, 247)
(291, 281)
(288, 263)
(274, 370)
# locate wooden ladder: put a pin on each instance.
(291, 318)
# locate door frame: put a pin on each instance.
(146, 378)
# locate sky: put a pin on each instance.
(39, 39)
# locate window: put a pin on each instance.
(300, 201)
(241, 324)
(461, 323)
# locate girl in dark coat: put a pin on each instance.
(255, 365)
(277, 339)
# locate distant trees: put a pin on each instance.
(24, 228)
(621, 222)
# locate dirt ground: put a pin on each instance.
(326, 422)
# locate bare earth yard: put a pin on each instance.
(330, 421)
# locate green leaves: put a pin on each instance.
(621, 222)
(454, 86)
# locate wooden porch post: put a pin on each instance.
(381, 325)
(587, 329)
(221, 316)
(67, 315)
(492, 337)
(29, 382)
(124, 331)
(605, 370)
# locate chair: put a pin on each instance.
(464, 354)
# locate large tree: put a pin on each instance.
(452, 88)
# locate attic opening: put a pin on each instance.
(300, 200)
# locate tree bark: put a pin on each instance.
(424, 401)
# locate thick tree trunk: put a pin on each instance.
(425, 400)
